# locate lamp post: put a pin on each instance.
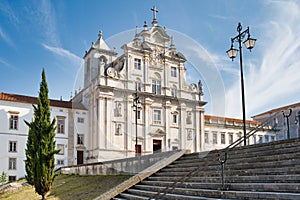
(297, 121)
(232, 52)
(287, 121)
(136, 107)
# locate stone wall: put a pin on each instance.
(132, 165)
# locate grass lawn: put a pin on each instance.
(70, 187)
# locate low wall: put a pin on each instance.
(131, 166)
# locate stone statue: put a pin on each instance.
(200, 87)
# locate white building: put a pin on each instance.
(15, 109)
(172, 111)
(222, 131)
(283, 118)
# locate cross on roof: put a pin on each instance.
(154, 12)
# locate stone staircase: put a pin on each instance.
(262, 171)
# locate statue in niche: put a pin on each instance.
(118, 129)
(189, 118)
(189, 135)
(119, 109)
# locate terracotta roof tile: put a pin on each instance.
(278, 109)
(33, 100)
(254, 122)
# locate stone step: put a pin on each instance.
(132, 196)
(234, 179)
(235, 172)
(245, 164)
(279, 187)
(152, 194)
(277, 145)
(210, 193)
(261, 171)
(165, 196)
(236, 158)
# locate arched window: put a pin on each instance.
(156, 84)
(138, 85)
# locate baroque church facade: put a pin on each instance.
(140, 102)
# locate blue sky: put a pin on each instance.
(55, 34)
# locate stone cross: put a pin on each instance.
(154, 12)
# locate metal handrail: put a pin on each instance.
(221, 161)
(236, 143)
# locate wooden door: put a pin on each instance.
(79, 157)
(156, 146)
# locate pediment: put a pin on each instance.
(159, 35)
(158, 133)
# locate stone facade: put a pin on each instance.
(171, 113)
(14, 109)
(276, 119)
(222, 131)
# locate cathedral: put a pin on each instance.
(140, 102)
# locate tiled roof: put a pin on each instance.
(33, 100)
(278, 109)
(252, 122)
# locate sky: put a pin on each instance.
(55, 35)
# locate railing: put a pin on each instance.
(222, 158)
(224, 154)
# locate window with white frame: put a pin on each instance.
(12, 178)
(222, 138)
(12, 146)
(254, 139)
(266, 138)
(157, 116)
(138, 114)
(60, 125)
(12, 163)
(80, 120)
(137, 63)
(174, 120)
(13, 121)
(156, 87)
(260, 139)
(173, 72)
(80, 138)
(272, 138)
(206, 139)
(61, 147)
(230, 138)
(138, 86)
(215, 138)
(60, 162)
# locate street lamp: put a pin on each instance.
(136, 107)
(232, 52)
(287, 121)
(297, 121)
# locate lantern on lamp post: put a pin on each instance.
(232, 52)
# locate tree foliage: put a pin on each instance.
(3, 178)
(40, 147)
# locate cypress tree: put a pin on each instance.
(40, 151)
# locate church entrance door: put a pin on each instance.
(156, 146)
(79, 157)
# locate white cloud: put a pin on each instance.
(276, 80)
(5, 37)
(65, 53)
(3, 62)
(9, 13)
(48, 22)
